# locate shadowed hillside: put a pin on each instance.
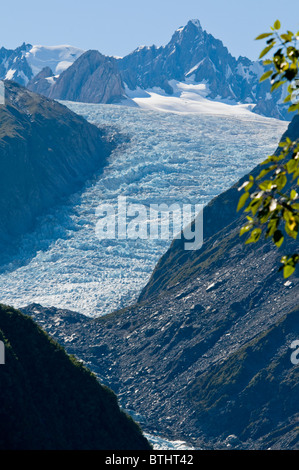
(49, 400)
(47, 152)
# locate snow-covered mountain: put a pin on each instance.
(191, 73)
(195, 57)
(14, 66)
(58, 58)
(25, 62)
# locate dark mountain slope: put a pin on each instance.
(259, 373)
(219, 218)
(41, 83)
(46, 153)
(50, 401)
(205, 353)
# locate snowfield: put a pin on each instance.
(170, 157)
(188, 97)
(58, 58)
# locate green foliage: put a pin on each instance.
(271, 199)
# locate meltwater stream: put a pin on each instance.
(167, 158)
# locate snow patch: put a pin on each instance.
(188, 97)
(10, 74)
(58, 58)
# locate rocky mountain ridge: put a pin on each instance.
(92, 78)
(191, 55)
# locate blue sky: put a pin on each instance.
(117, 27)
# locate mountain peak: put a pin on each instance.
(196, 23)
(191, 23)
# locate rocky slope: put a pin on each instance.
(42, 82)
(50, 401)
(46, 153)
(205, 354)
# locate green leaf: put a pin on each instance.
(288, 270)
(254, 205)
(249, 185)
(263, 36)
(277, 24)
(266, 75)
(281, 181)
(266, 50)
(287, 37)
(291, 233)
(245, 229)
(293, 107)
(291, 165)
(278, 238)
(266, 185)
(266, 171)
(287, 99)
(242, 200)
(277, 85)
(292, 224)
(255, 236)
(272, 226)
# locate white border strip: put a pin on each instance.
(2, 92)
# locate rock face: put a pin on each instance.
(42, 82)
(205, 354)
(93, 78)
(14, 66)
(46, 153)
(50, 401)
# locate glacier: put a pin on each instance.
(163, 157)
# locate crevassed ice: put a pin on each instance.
(169, 158)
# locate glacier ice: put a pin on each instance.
(170, 158)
